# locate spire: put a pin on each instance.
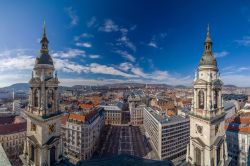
(208, 41)
(44, 42)
(44, 29)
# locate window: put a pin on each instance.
(215, 98)
(50, 94)
(36, 94)
(201, 99)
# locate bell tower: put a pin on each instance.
(207, 145)
(43, 117)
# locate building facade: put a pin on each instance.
(81, 134)
(12, 136)
(238, 138)
(43, 145)
(113, 113)
(207, 145)
(169, 136)
(136, 107)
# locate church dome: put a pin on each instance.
(44, 59)
(208, 59)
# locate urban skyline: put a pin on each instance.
(124, 42)
(137, 51)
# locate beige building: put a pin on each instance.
(12, 136)
(136, 107)
(207, 145)
(81, 133)
(43, 146)
(113, 113)
(169, 136)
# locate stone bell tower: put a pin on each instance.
(207, 145)
(43, 146)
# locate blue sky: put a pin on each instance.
(108, 41)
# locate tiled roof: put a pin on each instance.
(13, 128)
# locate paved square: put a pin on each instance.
(126, 140)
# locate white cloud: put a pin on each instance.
(84, 81)
(126, 41)
(152, 44)
(156, 39)
(12, 78)
(94, 56)
(126, 55)
(70, 53)
(245, 41)
(103, 69)
(236, 79)
(72, 14)
(221, 54)
(109, 26)
(84, 35)
(125, 66)
(84, 44)
(91, 22)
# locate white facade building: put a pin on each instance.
(169, 136)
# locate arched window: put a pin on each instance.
(201, 99)
(50, 100)
(36, 95)
(215, 98)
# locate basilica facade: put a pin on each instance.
(207, 146)
(43, 147)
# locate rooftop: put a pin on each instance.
(162, 118)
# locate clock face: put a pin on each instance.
(51, 128)
(199, 129)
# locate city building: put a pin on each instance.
(113, 113)
(12, 136)
(207, 145)
(81, 133)
(238, 138)
(136, 106)
(43, 145)
(169, 136)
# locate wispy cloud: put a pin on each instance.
(91, 22)
(156, 39)
(221, 54)
(70, 53)
(109, 26)
(84, 35)
(126, 55)
(72, 14)
(245, 41)
(152, 44)
(94, 56)
(126, 66)
(84, 44)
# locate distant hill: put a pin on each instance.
(17, 87)
(230, 86)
